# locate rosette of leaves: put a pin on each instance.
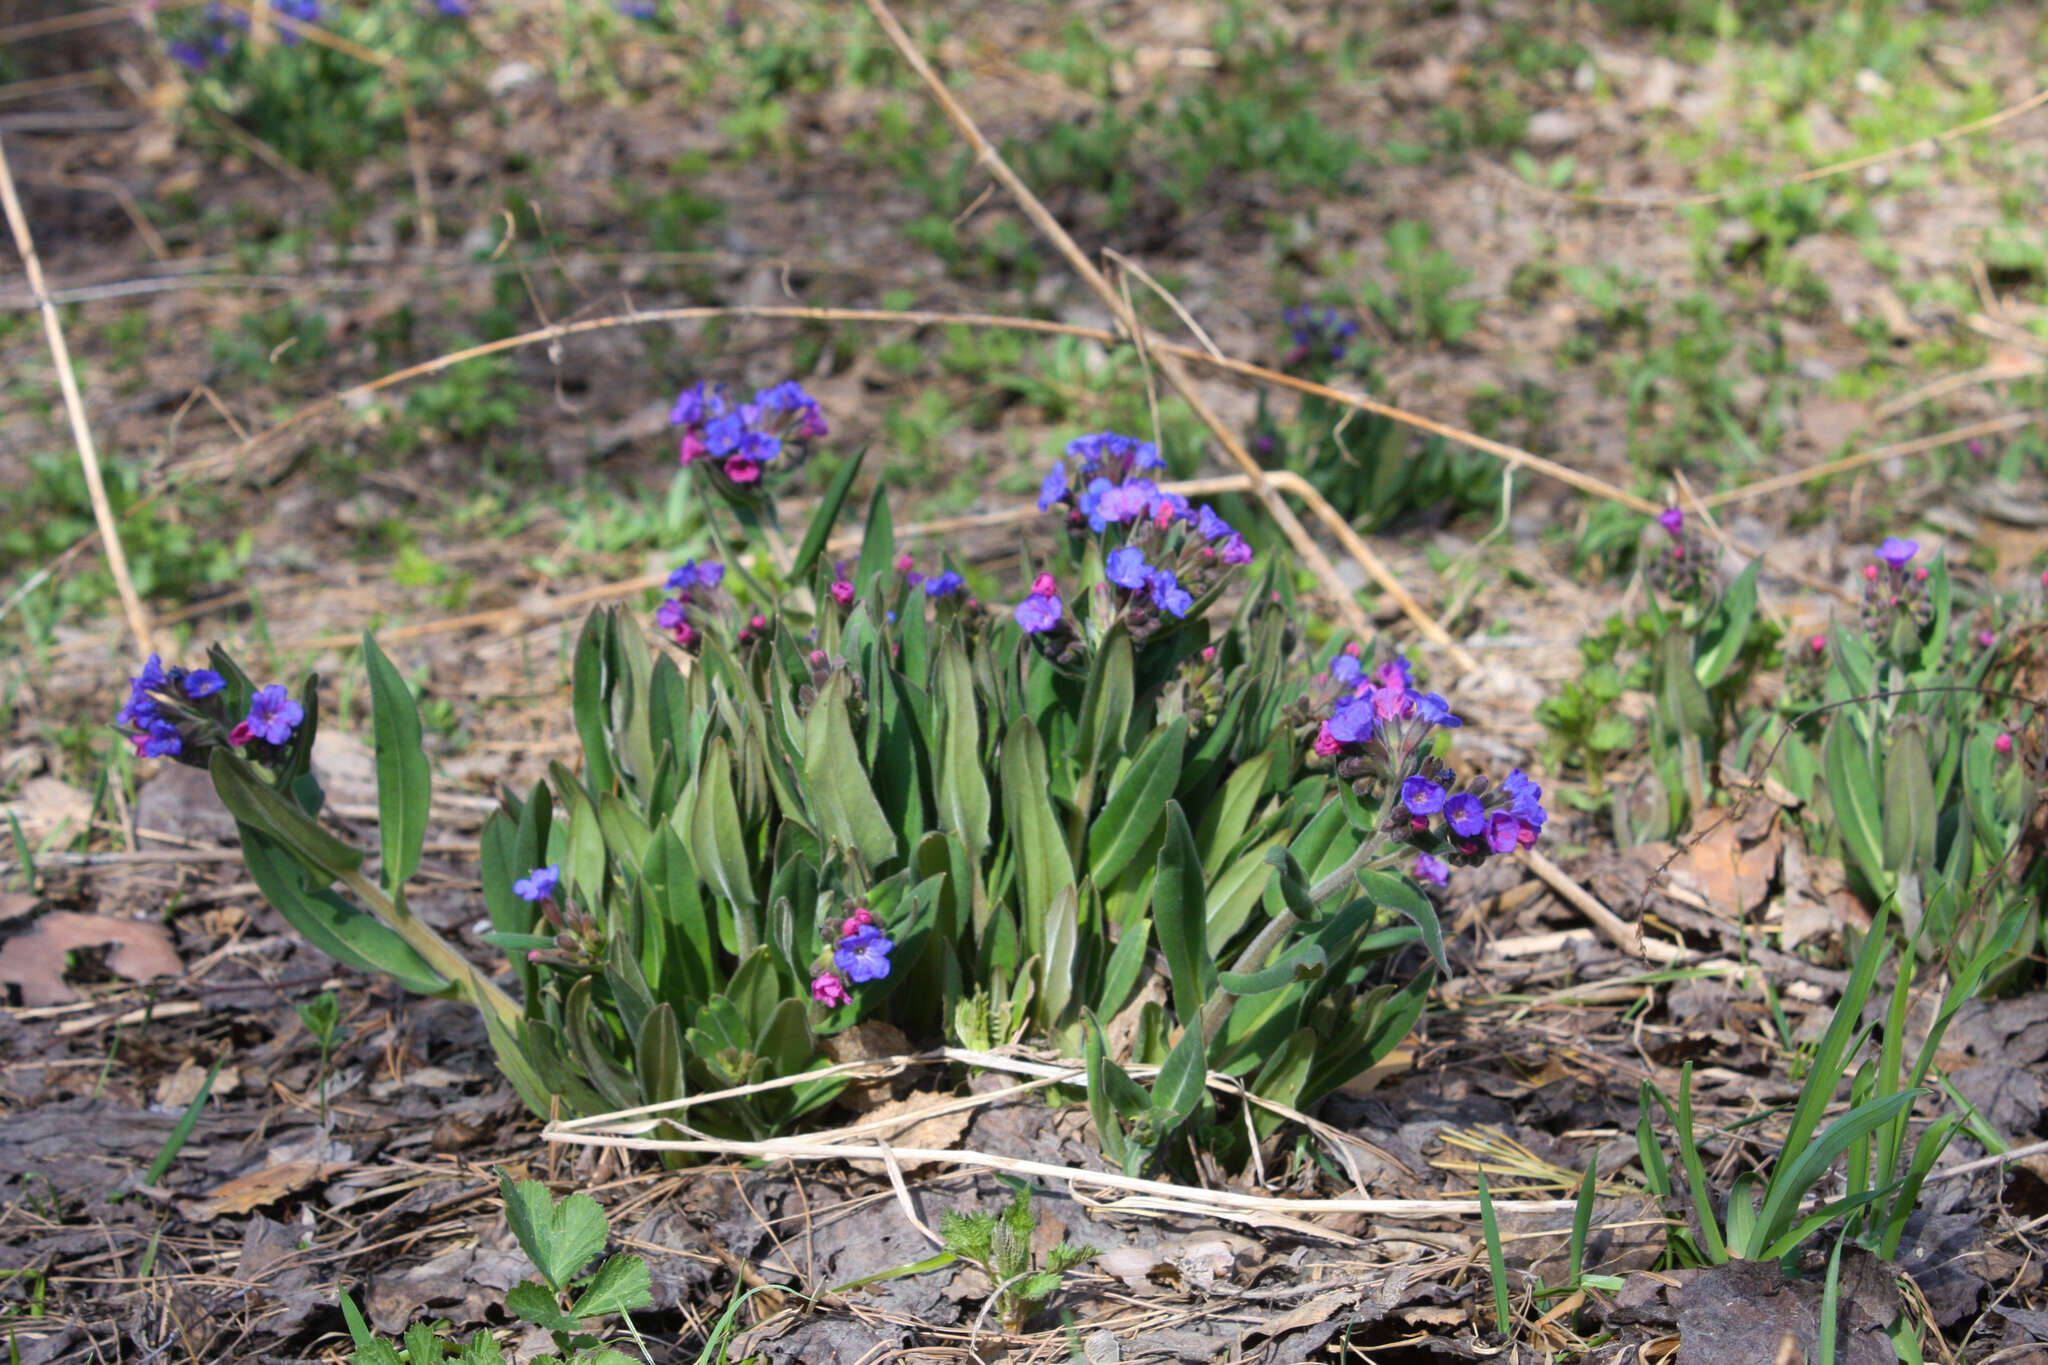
(1037, 838)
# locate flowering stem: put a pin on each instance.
(479, 989)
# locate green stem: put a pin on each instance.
(477, 988)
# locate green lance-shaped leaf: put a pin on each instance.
(1680, 697)
(1910, 812)
(828, 512)
(836, 780)
(1106, 703)
(716, 842)
(1136, 804)
(1062, 947)
(587, 699)
(1182, 1080)
(963, 784)
(1722, 637)
(1181, 919)
(1037, 841)
(1280, 1080)
(1394, 892)
(346, 933)
(877, 543)
(253, 802)
(1852, 791)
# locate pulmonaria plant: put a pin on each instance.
(882, 802)
(1896, 609)
(1322, 338)
(1680, 568)
(738, 444)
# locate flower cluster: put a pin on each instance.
(1320, 336)
(185, 714)
(938, 586)
(1895, 606)
(1171, 552)
(579, 938)
(215, 37)
(1680, 573)
(738, 441)
(692, 588)
(860, 953)
(1379, 736)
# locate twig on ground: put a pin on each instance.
(74, 407)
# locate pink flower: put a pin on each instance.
(828, 990)
(759, 623)
(742, 470)
(1044, 586)
(905, 562)
(240, 735)
(1208, 654)
(1986, 639)
(2003, 744)
(1870, 572)
(842, 592)
(693, 447)
(855, 922)
(1326, 744)
(1817, 643)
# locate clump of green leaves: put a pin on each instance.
(1000, 1246)
(562, 1238)
(322, 1017)
(1585, 725)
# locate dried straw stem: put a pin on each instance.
(74, 407)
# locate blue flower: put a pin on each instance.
(1170, 596)
(1038, 613)
(863, 954)
(1346, 669)
(538, 884)
(1054, 489)
(1433, 708)
(1525, 799)
(1465, 815)
(697, 404)
(202, 682)
(788, 396)
(1234, 550)
(1896, 552)
(1422, 796)
(1352, 721)
(1432, 869)
(709, 574)
(273, 715)
(161, 741)
(152, 677)
(1091, 496)
(944, 584)
(1146, 456)
(140, 710)
(1209, 526)
(1127, 568)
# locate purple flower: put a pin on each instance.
(1125, 502)
(1234, 550)
(1433, 869)
(1169, 595)
(453, 9)
(1145, 455)
(152, 677)
(1352, 721)
(697, 405)
(1896, 552)
(1209, 526)
(670, 614)
(944, 584)
(1054, 488)
(538, 884)
(141, 707)
(1503, 832)
(842, 592)
(273, 715)
(1465, 815)
(1435, 710)
(161, 741)
(1038, 613)
(1091, 450)
(828, 990)
(1422, 796)
(1672, 520)
(864, 954)
(709, 574)
(1127, 568)
(188, 55)
(1346, 669)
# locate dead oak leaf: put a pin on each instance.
(252, 1191)
(912, 1122)
(34, 962)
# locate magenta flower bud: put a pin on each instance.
(759, 623)
(1326, 744)
(1817, 643)
(817, 658)
(1870, 572)
(1920, 574)
(905, 562)
(1208, 654)
(2003, 744)
(1672, 520)
(533, 954)
(842, 592)
(828, 990)
(1044, 586)
(1986, 639)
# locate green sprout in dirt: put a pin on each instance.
(322, 1017)
(561, 1238)
(1000, 1245)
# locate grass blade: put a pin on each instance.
(183, 1130)
(1496, 1263)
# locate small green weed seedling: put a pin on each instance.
(322, 1017)
(561, 1238)
(1000, 1246)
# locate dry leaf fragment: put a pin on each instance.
(257, 1188)
(47, 808)
(908, 1122)
(181, 1087)
(34, 961)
